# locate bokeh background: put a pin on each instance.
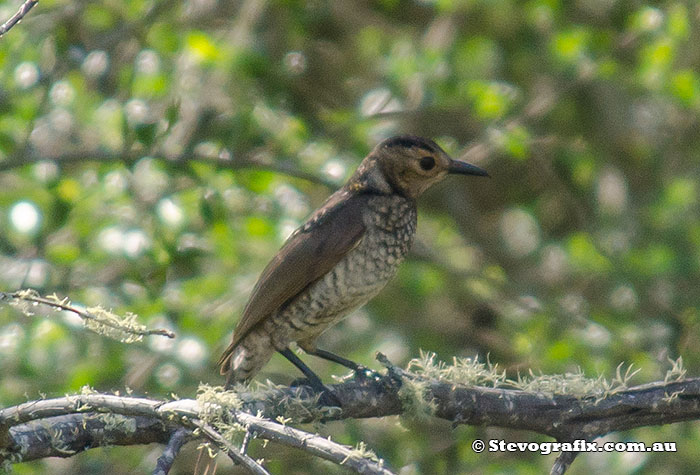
(154, 155)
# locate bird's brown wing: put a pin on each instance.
(309, 253)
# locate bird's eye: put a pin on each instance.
(427, 163)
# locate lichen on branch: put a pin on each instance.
(124, 328)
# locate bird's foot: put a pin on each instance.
(329, 399)
(326, 395)
(365, 373)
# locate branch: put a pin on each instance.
(587, 410)
(97, 319)
(44, 415)
(222, 161)
(234, 454)
(562, 463)
(177, 440)
(564, 407)
(67, 435)
(17, 17)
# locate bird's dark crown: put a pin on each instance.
(409, 141)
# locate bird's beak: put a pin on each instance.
(464, 168)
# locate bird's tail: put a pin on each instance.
(243, 359)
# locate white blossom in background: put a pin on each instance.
(136, 242)
(95, 63)
(148, 62)
(554, 264)
(611, 192)
(136, 111)
(25, 217)
(45, 171)
(168, 375)
(26, 75)
(111, 239)
(595, 335)
(295, 62)
(520, 232)
(379, 100)
(11, 337)
(132, 243)
(191, 352)
(170, 213)
(334, 169)
(62, 94)
(624, 298)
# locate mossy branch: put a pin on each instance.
(98, 319)
(467, 391)
(68, 421)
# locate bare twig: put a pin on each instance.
(177, 440)
(246, 440)
(234, 454)
(563, 462)
(314, 444)
(247, 162)
(17, 17)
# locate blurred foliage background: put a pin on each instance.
(155, 154)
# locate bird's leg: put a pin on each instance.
(328, 398)
(360, 371)
(327, 355)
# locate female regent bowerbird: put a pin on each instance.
(340, 258)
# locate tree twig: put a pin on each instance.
(563, 462)
(234, 454)
(165, 462)
(97, 315)
(247, 162)
(17, 17)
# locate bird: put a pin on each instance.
(340, 258)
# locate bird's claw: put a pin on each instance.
(365, 373)
(328, 398)
(326, 395)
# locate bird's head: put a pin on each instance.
(409, 165)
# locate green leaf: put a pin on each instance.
(584, 255)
